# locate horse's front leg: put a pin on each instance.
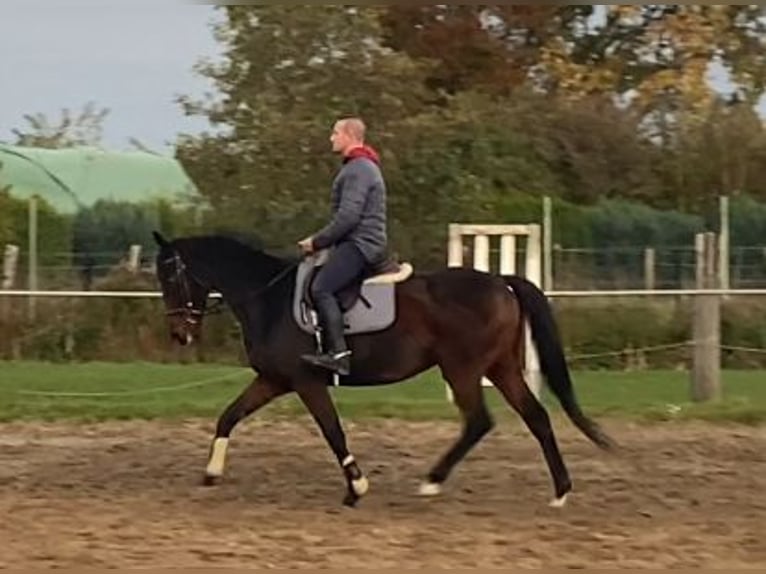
(258, 394)
(316, 397)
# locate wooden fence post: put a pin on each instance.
(134, 258)
(10, 266)
(649, 268)
(706, 370)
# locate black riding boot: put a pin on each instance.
(336, 356)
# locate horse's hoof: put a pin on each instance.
(559, 502)
(357, 488)
(430, 489)
(350, 500)
(210, 480)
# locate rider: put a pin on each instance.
(356, 234)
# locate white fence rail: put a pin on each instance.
(551, 294)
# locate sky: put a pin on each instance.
(131, 57)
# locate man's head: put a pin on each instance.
(347, 134)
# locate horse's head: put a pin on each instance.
(185, 296)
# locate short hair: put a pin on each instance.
(354, 127)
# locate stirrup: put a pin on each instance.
(337, 362)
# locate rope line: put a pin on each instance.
(743, 349)
(669, 346)
(166, 389)
(629, 351)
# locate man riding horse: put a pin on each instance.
(468, 323)
(356, 237)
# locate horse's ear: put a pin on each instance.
(161, 241)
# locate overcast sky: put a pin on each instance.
(131, 57)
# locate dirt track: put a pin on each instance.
(128, 494)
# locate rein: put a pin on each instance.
(276, 279)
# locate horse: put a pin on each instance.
(468, 323)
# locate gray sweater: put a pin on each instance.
(358, 210)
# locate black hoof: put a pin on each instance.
(350, 499)
(208, 480)
(563, 489)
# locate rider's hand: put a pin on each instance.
(307, 245)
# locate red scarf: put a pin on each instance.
(362, 151)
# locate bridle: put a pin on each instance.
(192, 315)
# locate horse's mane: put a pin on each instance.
(248, 239)
(235, 256)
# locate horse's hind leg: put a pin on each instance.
(508, 378)
(477, 422)
(258, 394)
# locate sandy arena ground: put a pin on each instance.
(128, 494)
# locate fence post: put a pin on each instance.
(10, 265)
(649, 268)
(455, 246)
(481, 252)
(724, 244)
(706, 369)
(547, 244)
(134, 258)
(32, 271)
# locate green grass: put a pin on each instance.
(147, 391)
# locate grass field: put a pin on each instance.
(99, 391)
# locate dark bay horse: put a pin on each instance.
(468, 323)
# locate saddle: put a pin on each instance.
(368, 304)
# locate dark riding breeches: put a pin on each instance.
(344, 264)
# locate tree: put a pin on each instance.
(594, 149)
(289, 72)
(103, 232)
(70, 131)
(477, 130)
(722, 154)
(742, 50)
(487, 48)
(659, 55)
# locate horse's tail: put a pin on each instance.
(534, 305)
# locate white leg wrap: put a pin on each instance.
(558, 502)
(217, 457)
(430, 489)
(360, 486)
